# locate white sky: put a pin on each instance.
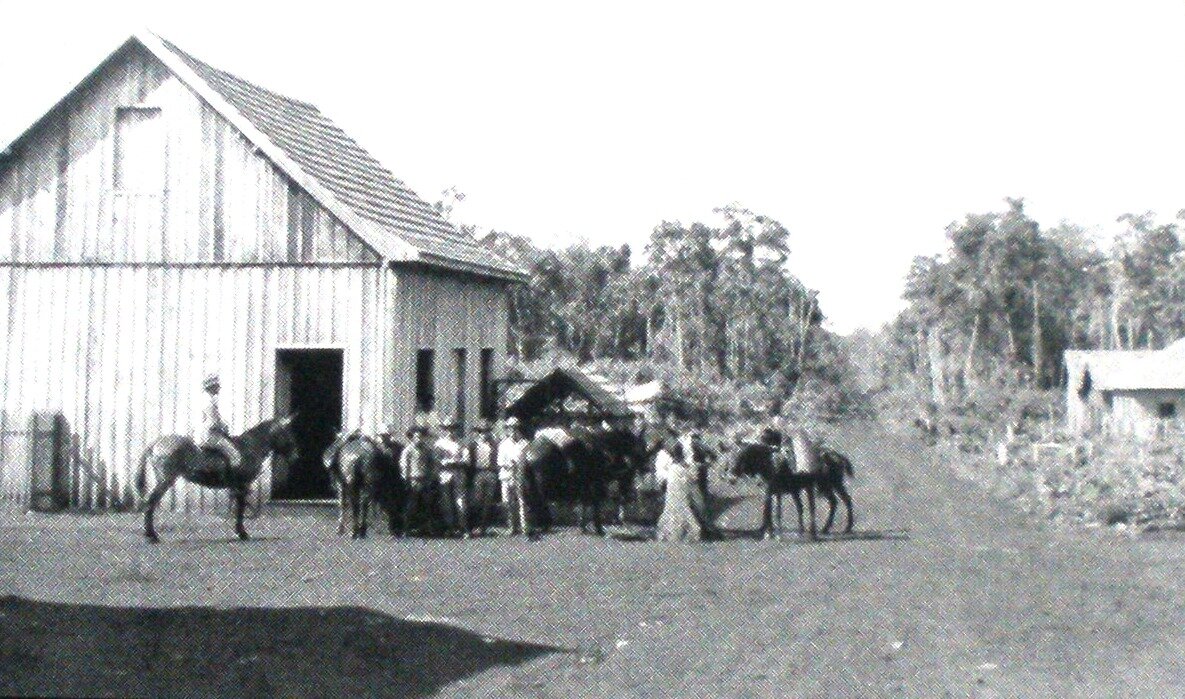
(865, 127)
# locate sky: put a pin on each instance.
(864, 127)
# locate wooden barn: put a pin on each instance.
(1134, 392)
(167, 219)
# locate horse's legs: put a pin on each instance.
(798, 506)
(847, 500)
(461, 503)
(363, 511)
(596, 508)
(240, 505)
(343, 507)
(767, 525)
(778, 519)
(153, 500)
(810, 499)
(832, 501)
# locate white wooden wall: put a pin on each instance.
(121, 351)
(442, 313)
(58, 199)
(115, 331)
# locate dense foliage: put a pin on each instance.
(995, 312)
(710, 309)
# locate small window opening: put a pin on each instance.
(425, 390)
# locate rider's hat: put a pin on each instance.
(210, 381)
(512, 421)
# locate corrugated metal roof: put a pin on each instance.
(354, 177)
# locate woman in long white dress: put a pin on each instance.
(684, 516)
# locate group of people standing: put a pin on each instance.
(440, 470)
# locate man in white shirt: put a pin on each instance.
(452, 459)
(214, 433)
(510, 475)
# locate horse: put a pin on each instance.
(776, 470)
(365, 471)
(577, 465)
(178, 456)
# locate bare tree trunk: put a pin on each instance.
(937, 368)
(1038, 349)
(968, 373)
(1011, 338)
(808, 310)
(679, 339)
(1114, 344)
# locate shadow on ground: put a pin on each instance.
(791, 535)
(88, 650)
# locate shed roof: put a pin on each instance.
(332, 167)
(561, 383)
(1128, 370)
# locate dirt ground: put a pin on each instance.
(941, 593)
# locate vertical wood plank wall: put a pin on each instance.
(121, 351)
(58, 202)
(443, 313)
(117, 341)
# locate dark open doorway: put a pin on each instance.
(309, 382)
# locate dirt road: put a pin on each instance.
(942, 593)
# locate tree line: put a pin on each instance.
(702, 301)
(1000, 306)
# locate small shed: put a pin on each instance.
(565, 395)
(1131, 392)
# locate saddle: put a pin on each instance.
(213, 468)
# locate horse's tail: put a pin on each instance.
(845, 465)
(142, 472)
(838, 461)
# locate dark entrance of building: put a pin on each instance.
(309, 382)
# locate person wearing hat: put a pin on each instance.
(214, 433)
(482, 453)
(418, 471)
(450, 457)
(510, 474)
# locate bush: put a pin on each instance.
(1113, 481)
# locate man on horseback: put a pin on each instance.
(214, 434)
